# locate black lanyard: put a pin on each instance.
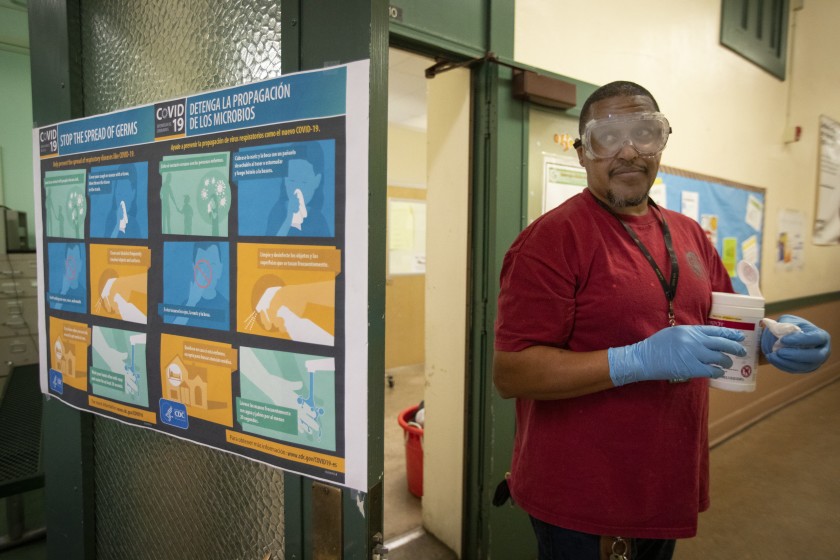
(670, 288)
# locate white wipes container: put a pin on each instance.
(744, 313)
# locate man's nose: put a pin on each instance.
(627, 151)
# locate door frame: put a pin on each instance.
(54, 33)
(497, 213)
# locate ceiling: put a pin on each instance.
(407, 89)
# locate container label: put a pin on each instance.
(732, 323)
(743, 370)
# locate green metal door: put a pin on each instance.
(463, 33)
(110, 486)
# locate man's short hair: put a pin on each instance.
(612, 89)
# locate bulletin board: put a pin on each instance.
(731, 214)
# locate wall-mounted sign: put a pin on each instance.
(203, 268)
(827, 219)
(395, 12)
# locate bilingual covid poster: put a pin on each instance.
(203, 269)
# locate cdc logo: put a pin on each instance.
(56, 380)
(174, 414)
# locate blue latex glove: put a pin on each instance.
(801, 352)
(676, 353)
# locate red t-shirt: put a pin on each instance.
(632, 460)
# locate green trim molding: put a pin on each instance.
(784, 306)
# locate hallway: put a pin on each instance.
(775, 487)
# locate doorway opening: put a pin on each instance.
(426, 302)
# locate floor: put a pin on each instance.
(34, 551)
(19, 433)
(775, 488)
(403, 512)
(403, 515)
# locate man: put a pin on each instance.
(601, 338)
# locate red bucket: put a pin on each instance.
(413, 451)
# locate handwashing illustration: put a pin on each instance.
(132, 375)
(275, 384)
(313, 366)
(118, 369)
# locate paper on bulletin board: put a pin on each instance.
(659, 192)
(754, 213)
(690, 205)
(709, 223)
(827, 217)
(749, 250)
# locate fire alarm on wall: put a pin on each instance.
(792, 134)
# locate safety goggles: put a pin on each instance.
(646, 132)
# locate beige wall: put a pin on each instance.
(405, 305)
(728, 115)
(406, 157)
(405, 295)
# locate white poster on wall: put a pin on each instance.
(563, 178)
(406, 236)
(790, 240)
(827, 216)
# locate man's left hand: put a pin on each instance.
(801, 352)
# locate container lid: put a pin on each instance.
(737, 300)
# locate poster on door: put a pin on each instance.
(203, 269)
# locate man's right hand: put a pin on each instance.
(676, 353)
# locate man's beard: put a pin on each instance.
(625, 202)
